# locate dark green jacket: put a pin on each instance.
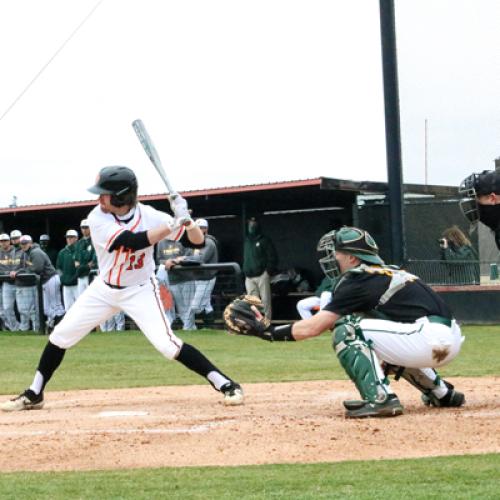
(326, 285)
(259, 255)
(462, 263)
(65, 264)
(85, 255)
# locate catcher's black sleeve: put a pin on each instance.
(131, 241)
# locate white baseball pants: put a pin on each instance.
(9, 299)
(70, 294)
(52, 303)
(82, 284)
(413, 345)
(99, 302)
(260, 286)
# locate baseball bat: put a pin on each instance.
(154, 157)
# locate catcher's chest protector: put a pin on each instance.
(399, 278)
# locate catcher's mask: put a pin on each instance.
(350, 240)
(119, 182)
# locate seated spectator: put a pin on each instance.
(460, 257)
(322, 296)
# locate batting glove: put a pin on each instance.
(180, 207)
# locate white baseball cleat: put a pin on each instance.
(28, 400)
(233, 394)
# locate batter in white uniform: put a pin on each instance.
(124, 233)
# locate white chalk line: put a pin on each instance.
(194, 429)
(122, 413)
(481, 413)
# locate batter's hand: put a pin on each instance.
(180, 208)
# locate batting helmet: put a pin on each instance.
(119, 182)
(350, 240)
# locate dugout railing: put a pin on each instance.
(228, 284)
(27, 279)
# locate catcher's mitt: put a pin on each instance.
(245, 316)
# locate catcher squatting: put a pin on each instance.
(123, 233)
(384, 320)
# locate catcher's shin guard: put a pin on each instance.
(359, 360)
(427, 381)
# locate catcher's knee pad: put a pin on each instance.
(359, 360)
(346, 329)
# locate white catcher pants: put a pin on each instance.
(413, 345)
(99, 302)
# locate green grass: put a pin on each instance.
(126, 359)
(460, 477)
(104, 360)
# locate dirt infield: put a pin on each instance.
(280, 423)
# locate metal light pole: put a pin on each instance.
(392, 129)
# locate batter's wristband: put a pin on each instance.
(282, 333)
(190, 225)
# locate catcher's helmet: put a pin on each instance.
(120, 182)
(350, 240)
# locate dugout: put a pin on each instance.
(295, 214)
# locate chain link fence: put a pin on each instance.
(439, 272)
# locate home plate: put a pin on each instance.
(122, 413)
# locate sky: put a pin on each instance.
(237, 93)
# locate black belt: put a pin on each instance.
(115, 287)
(440, 320)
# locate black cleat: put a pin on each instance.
(391, 407)
(233, 394)
(452, 399)
(28, 400)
